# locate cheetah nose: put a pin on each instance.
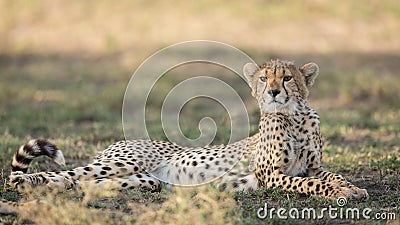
(274, 92)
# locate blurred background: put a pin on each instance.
(64, 67)
(66, 64)
(93, 28)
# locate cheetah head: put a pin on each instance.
(280, 86)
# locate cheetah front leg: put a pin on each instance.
(307, 185)
(315, 170)
(327, 176)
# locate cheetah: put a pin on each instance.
(284, 154)
(288, 153)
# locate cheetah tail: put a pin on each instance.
(35, 148)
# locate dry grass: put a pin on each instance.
(105, 27)
(203, 205)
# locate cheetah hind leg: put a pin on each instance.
(142, 181)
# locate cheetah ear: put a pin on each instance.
(249, 70)
(310, 72)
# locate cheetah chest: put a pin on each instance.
(289, 142)
(301, 143)
(296, 164)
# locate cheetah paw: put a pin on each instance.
(360, 193)
(341, 192)
(19, 181)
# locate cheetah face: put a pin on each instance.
(279, 86)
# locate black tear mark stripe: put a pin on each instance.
(284, 88)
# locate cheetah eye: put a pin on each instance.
(263, 79)
(287, 78)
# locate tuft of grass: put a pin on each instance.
(388, 165)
